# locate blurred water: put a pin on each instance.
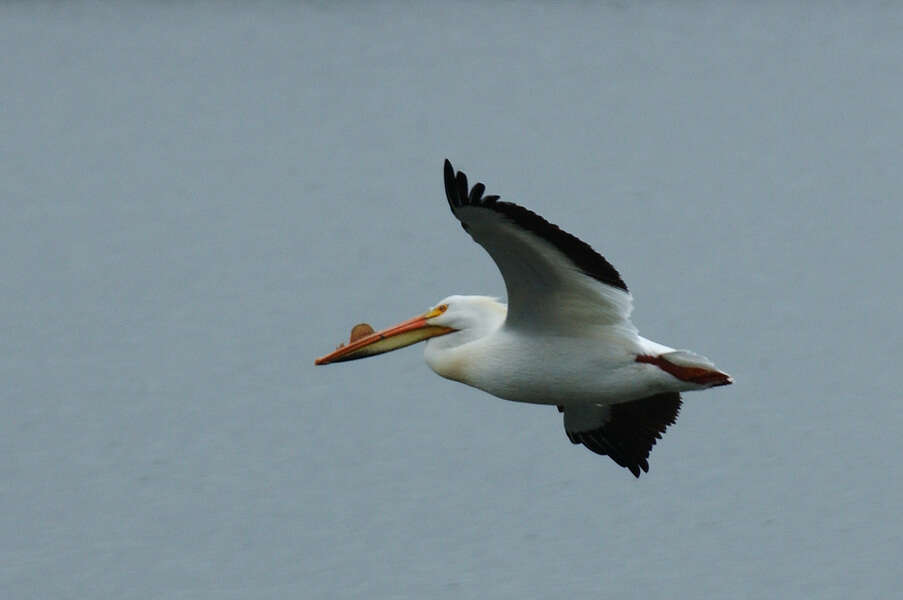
(197, 201)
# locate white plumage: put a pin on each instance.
(565, 338)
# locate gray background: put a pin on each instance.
(197, 201)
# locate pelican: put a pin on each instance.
(564, 339)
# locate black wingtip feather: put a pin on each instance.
(449, 173)
(461, 186)
(579, 252)
(476, 193)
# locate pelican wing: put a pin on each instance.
(554, 280)
(626, 432)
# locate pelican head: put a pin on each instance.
(468, 316)
(474, 316)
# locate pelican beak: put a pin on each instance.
(395, 337)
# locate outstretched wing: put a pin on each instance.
(626, 432)
(554, 280)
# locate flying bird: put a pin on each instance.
(564, 339)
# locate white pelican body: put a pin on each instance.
(565, 338)
(598, 365)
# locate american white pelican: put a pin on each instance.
(564, 339)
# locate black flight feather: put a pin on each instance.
(632, 430)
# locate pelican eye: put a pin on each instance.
(442, 308)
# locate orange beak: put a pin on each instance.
(395, 337)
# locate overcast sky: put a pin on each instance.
(198, 201)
